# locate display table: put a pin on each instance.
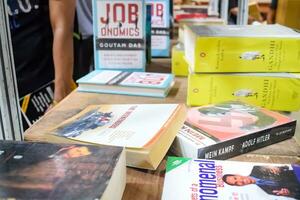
(145, 184)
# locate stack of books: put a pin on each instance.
(180, 66)
(255, 64)
(122, 41)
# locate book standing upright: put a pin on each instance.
(160, 40)
(119, 34)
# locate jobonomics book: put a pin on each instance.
(35, 104)
(160, 40)
(268, 90)
(129, 83)
(264, 48)
(119, 34)
(146, 130)
(191, 179)
(228, 129)
(61, 171)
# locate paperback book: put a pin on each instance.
(264, 48)
(160, 26)
(145, 130)
(120, 34)
(229, 129)
(61, 171)
(128, 83)
(268, 90)
(179, 65)
(35, 104)
(188, 179)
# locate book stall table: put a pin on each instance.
(146, 184)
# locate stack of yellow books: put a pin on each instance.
(255, 64)
(179, 63)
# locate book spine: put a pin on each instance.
(244, 144)
(221, 54)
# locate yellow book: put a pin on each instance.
(275, 91)
(248, 48)
(179, 64)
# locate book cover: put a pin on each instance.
(160, 40)
(35, 104)
(179, 65)
(268, 90)
(60, 171)
(230, 180)
(146, 130)
(119, 34)
(265, 48)
(224, 130)
(129, 83)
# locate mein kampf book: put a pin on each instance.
(61, 171)
(145, 130)
(269, 90)
(191, 179)
(128, 83)
(120, 34)
(160, 40)
(228, 129)
(247, 48)
(35, 104)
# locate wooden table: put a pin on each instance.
(145, 184)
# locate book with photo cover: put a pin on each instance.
(128, 83)
(61, 171)
(227, 129)
(119, 34)
(145, 130)
(188, 179)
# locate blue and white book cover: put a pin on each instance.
(125, 79)
(160, 41)
(119, 34)
(128, 79)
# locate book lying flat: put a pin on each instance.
(268, 90)
(228, 129)
(263, 48)
(188, 179)
(146, 130)
(128, 83)
(61, 171)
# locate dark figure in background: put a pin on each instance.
(84, 42)
(280, 181)
(272, 12)
(42, 39)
